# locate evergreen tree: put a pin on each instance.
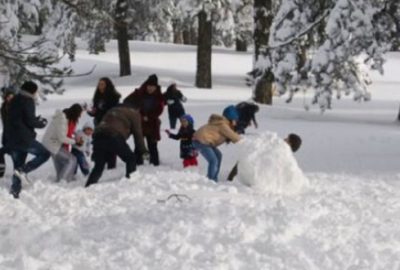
(262, 76)
(244, 23)
(342, 35)
(34, 58)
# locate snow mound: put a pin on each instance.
(267, 164)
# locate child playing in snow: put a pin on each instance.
(218, 130)
(185, 134)
(83, 147)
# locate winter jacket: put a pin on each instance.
(4, 113)
(247, 113)
(101, 106)
(216, 132)
(21, 121)
(151, 107)
(186, 145)
(174, 98)
(122, 121)
(56, 133)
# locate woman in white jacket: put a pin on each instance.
(56, 137)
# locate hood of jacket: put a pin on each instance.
(217, 120)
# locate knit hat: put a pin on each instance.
(88, 124)
(29, 87)
(152, 80)
(8, 90)
(231, 113)
(188, 118)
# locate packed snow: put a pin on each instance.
(266, 163)
(334, 204)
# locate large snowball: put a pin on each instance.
(266, 163)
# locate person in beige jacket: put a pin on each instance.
(219, 129)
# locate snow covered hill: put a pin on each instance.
(345, 217)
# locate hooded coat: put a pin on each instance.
(56, 133)
(21, 121)
(150, 107)
(122, 121)
(174, 98)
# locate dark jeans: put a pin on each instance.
(172, 121)
(19, 157)
(81, 161)
(104, 145)
(213, 157)
(153, 151)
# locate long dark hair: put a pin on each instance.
(110, 93)
(73, 113)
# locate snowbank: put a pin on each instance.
(267, 164)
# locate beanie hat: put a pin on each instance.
(231, 113)
(188, 118)
(29, 87)
(152, 80)
(88, 124)
(8, 90)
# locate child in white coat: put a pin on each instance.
(83, 147)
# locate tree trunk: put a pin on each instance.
(302, 56)
(186, 36)
(204, 50)
(194, 35)
(241, 45)
(264, 89)
(263, 17)
(122, 38)
(177, 29)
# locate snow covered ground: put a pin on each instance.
(345, 215)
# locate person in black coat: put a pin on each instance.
(7, 94)
(20, 136)
(187, 151)
(174, 98)
(105, 98)
(247, 115)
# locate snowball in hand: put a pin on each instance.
(267, 164)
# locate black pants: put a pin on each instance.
(153, 151)
(3, 152)
(105, 145)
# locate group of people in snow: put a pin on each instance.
(105, 138)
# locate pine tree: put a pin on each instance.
(244, 23)
(262, 71)
(30, 59)
(342, 35)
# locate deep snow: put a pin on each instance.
(345, 217)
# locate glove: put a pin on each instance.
(170, 101)
(184, 99)
(42, 122)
